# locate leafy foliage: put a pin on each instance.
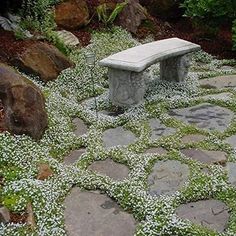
(103, 12)
(234, 35)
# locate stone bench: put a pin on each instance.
(125, 69)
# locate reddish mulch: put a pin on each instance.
(219, 45)
(9, 46)
(20, 218)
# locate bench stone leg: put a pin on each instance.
(175, 68)
(126, 88)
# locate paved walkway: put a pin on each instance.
(179, 161)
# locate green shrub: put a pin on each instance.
(106, 15)
(209, 14)
(234, 35)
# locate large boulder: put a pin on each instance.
(23, 102)
(163, 8)
(72, 14)
(131, 16)
(43, 60)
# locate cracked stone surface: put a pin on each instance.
(94, 214)
(159, 151)
(192, 138)
(110, 168)
(226, 81)
(118, 136)
(219, 96)
(231, 169)
(212, 214)
(158, 129)
(205, 116)
(205, 156)
(231, 140)
(74, 156)
(167, 177)
(80, 127)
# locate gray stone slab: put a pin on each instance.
(118, 136)
(167, 177)
(95, 214)
(219, 96)
(4, 215)
(158, 151)
(205, 156)
(140, 57)
(231, 140)
(231, 169)
(226, 81)
(192, 138)
(80, 127)
(110, 168)
(158, 129)
(205, 115)
(212, 214)
(74, 156)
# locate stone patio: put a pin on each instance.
(167, 177)
(211, 214)
(118, 136)
(205, 116)
(92, 213)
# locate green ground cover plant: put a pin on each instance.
(71, 95)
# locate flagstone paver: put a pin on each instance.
(205, 156)
(212, 214)
(118, 136)
(205, 115)
(74, 156)
(226, 81)
(159, 151)
(167, 177)
(231, 140)
(219, 96)
(94, 214)
(193, 138)
(231, 169)
(158, 129)
(110, 168)
(80, 127)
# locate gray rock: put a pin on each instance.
(167, 177)
(118, 136)
(158, 151)
(74, 156)
(231, 169)
(4, 214)
(211, 214)
(226, 81)
(158, 129)
(110, 168)
(193, 138)
(204, 156)
(94, 214)
(220, 96)
(205, 116)
(231, 140)
(80, 127)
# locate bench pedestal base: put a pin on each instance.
(126, 88)
(175, 68)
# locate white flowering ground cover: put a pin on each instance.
(70, 96)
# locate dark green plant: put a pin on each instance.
(106, 15)
(234, 34)
(210, 13)
(56, 41)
